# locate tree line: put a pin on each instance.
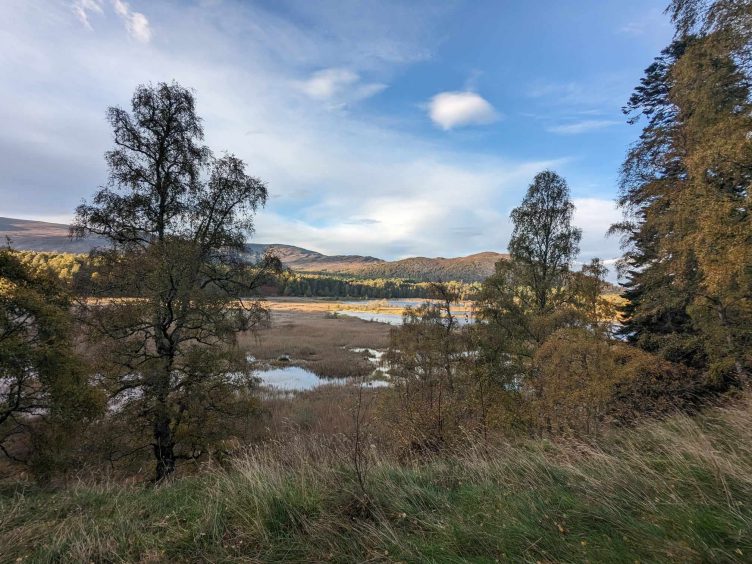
(340, 286)
(79, 272)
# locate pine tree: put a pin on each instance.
(685, 190)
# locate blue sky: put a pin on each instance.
(385, 128)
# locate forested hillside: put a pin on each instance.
(472, 268)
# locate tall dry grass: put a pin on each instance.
(323, 411)
(672, 491)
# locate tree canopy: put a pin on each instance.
(176, 217)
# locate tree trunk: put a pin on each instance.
(164, 442)
(164, 447)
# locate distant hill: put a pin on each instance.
(53, 237)
(472, 268)
(305, 260)
(42, 236)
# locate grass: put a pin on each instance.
(679, 490)
(317, 342)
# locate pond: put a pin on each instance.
(390, 318)
(373, 310)
(296, 379)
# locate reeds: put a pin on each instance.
(319, 344)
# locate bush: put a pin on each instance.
(582, 382)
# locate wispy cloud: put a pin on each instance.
(339, 86)
(605, 92)
(651, 23)
(456, 109)
(82, 8)
(135, 22)
(584, 126)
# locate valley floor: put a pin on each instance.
(311, 334)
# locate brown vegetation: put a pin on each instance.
(325, 411)
(319, 342)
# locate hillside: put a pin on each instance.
(472, 268)
(31, 235)
(305, 260)
(53, 237)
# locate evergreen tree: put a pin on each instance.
(658, 291)
(685, 190)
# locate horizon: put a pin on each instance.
(412, 135)
(279, 244)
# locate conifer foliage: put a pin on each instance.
(686, 197)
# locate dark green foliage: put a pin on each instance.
(532, 294)
(176, 219)
(44, 387)
(340, 286)
(543, 242)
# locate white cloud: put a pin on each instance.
(339, 86)
(326, 83)
(455, 109)
(135, 22)
(583, 126)
(82, 8)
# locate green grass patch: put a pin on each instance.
(674, 491)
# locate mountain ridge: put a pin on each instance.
(44, 236)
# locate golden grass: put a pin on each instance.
(326, 411)
(315, 305)
(317, 342)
